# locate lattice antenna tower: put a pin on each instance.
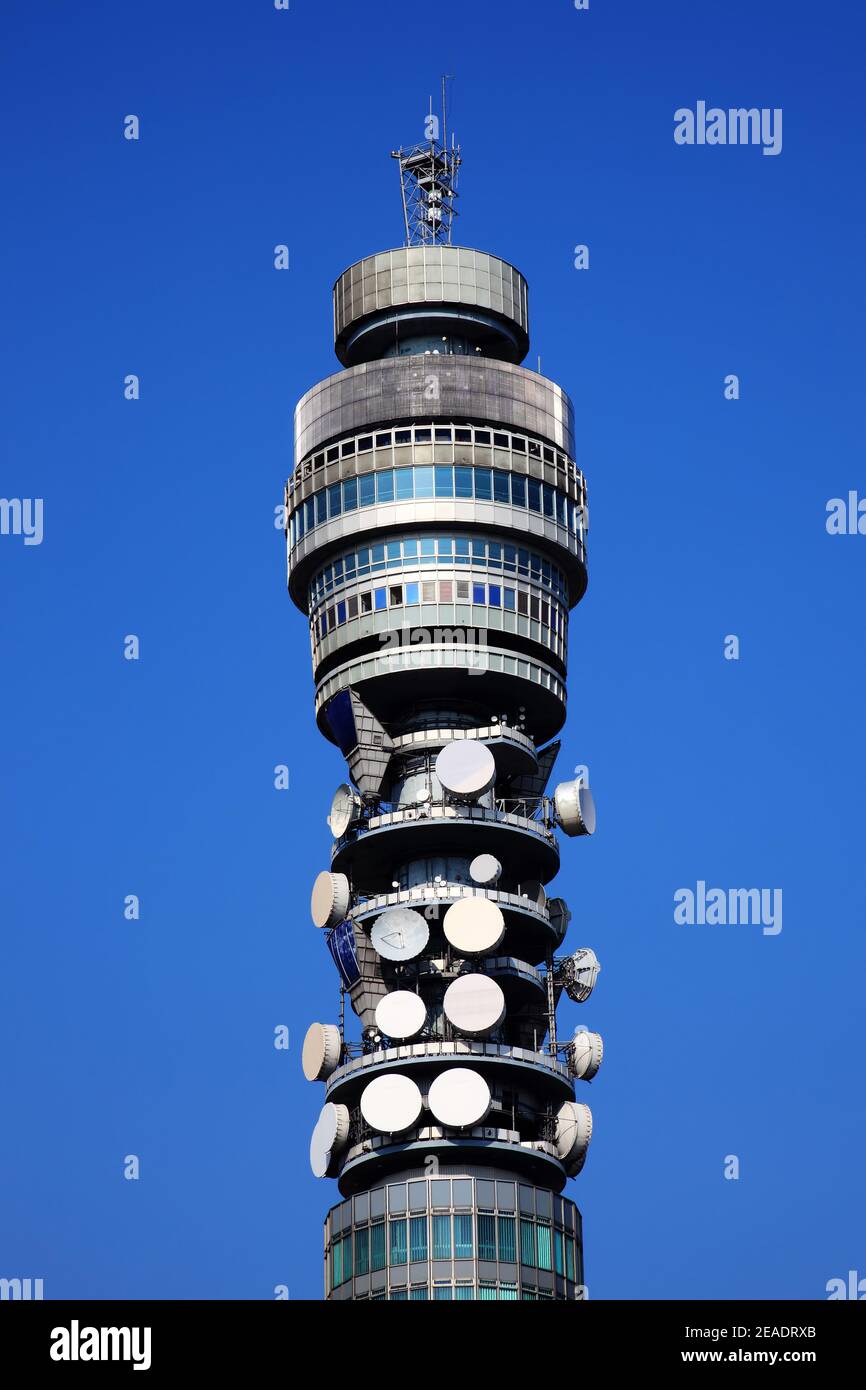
(428, 182)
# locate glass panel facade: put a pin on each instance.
(398, 1242)
(423, 483)
(541, 1239)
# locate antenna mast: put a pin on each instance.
(428, 182)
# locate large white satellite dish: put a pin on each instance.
(391, 1103)
(474, 926)
(485, 870)
(585, 1054)
(401, 1014)
(400, 933)
(579, 974)
(466, 768)
(344, 810)
(321, 1052)
(459, 1097)
(474, 1005)
(573, 1133)
(575, 807)
(329, 1136)
(329, 900)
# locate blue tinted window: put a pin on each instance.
(393, 552)
(445, 546)
(495, 599)
(463, 1236)
(501, 492)
(444, 481)
(378, 557)
(334, 500)
(321, 508)
(463, 482)
(428, 546)
(478, 593)
(412, 593)
(461, 550)
(483, 483)
(385, 486)
(381, 597)
(534, 495)
(423, 482)
(367, 490)
(404, 483)
(410, 549)
(509, 599)
(350, 494)
(561, 504)
(518, 490)
(548, 500)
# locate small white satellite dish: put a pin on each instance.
(466, 769)
(329, 1136)
(321, 1051)
(485, 870)
(579, 974)
(344, 810)
(391, 1104)
(459, 1097)
(573, 1133)
(401, 1014)
(329, 900)
(585, 1054)
(400, 933)
(474, 1005)
(575, 808)
(534, 891)
(474, 926)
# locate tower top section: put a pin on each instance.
(428, 183)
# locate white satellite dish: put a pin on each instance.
(466, 769)
(459, 1097)
(391, 1104)
(485, 870)
(474, 926)
(321, 1053)
(329, 900)
(344, 810)
(534, 891)
(401, 1014)
(573, 1133)
(575, 808)
(579, 974)
(585, 1054)
(329, 1136)
(400, 933)
(474, 1005)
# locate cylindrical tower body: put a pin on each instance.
(436, 543)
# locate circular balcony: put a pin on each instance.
(369, 850)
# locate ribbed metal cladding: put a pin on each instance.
(427, 275)
(424, 387)
(437, 559)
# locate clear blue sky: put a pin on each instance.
(708, 518)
